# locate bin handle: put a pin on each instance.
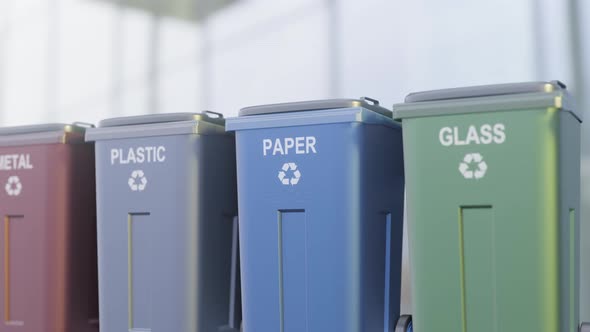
(371, 100)
(217, 115)
(83, 124)
(563, 86)
(404, 324)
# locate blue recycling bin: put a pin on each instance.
(320, 195)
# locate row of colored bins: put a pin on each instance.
(492, 205)
(162, 220)
(493, 201)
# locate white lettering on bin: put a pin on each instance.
(289, 145)
(485, 134)
(9, 162)
(138, 155)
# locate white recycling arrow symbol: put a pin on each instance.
(473, 166)
(292, 180)
(137, 181)
(13, 186)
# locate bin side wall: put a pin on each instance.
(84, 243)
(484, 250)
(76, 288)
(569, 155)
(382, 198)
(215, 204)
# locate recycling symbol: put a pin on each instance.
(295, 177)
(473, 166)
(137, 181)
(13, 186)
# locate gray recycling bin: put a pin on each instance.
(167, 231)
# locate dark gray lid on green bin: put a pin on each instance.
(314, 105)
(51, 133)
(158, 125)
(487, 98)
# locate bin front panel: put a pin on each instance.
(47, 240)
(163, 213)
(320, 227)
(23, 268)
(484, 220)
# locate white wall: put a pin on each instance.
(392, 48)
(271, 60)
(25, 62)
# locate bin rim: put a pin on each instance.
(315, 105)
(162, 118)
(485, 91)
(46, 133)
(42, 128)
(487, 98)
(161, 124)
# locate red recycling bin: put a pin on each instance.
(48, 267)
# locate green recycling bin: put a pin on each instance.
(493, 203)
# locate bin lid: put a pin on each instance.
(314, 105)
(206, 122)
(43, 134)
(486, 98)
(331, 111)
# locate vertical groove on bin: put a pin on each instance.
(234, 275)
(61, 244)
(6, 269)
(479, 284)
(462, 270)
(293, 274)
(572, 268)
(130, 270)
(280, 255)
(137, 301)
(386, 296)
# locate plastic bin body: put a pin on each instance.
(493, 251)
(165, 246)
(323, 254)
(48, 234)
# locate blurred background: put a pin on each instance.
(84, 60)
